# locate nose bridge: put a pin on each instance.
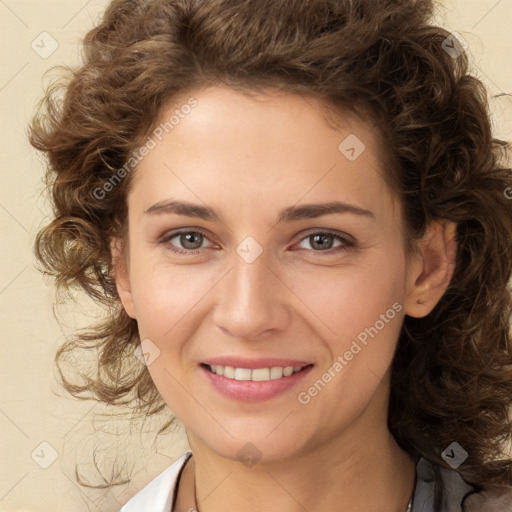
(252, 298)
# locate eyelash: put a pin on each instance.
(347, 243)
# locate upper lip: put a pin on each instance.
(267, 362)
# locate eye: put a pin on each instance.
(323, 241)
(190, 241)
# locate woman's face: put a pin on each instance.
(290, 255)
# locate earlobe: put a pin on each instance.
(433, 268)
(122, 277)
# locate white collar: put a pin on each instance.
(158, 495)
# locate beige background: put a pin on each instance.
(33, 409)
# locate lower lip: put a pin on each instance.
(253, 391)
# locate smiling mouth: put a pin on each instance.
(255, 374)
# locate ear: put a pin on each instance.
(431, 271)
(122, 279)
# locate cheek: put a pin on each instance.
(347, 299)
(170, 307)
(165, 294)
(360, 310)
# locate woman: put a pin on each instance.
(297, 215)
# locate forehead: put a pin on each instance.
(279, 144)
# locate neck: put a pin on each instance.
(359, 470)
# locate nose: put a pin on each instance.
(253, 300)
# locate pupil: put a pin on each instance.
(322, 245)
(186, 238)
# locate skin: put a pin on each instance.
(248, 158)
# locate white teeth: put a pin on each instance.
(288, 371)
(229, 371)
(242, 374)
(258, 374)
(276, 372)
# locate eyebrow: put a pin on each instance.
(289, 214)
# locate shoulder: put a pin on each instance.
(460, 495)
(490, 501)
(157, 495)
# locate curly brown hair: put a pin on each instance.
(383, 60)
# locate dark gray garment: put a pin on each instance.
(455, 489)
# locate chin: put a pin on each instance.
(253, 445)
